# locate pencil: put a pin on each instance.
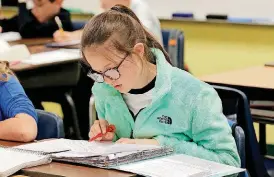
(59, 23)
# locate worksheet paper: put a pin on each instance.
(179, 165)
(53, 56)
(81, 148)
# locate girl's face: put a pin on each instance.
(102, 59)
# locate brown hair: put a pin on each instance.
(122, 26)
(5, 71)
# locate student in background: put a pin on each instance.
(39, 21)
(139, 7)
(148, 100)
(18, 119)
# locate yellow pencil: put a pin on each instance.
(59, 23)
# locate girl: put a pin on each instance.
(148, 100)
(18, 119)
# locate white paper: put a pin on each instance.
(53, 56)
(179, 165)
(83, 148)
(50, 146)
(12, 161)
(10, 36)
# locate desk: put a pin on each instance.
(56, 82)
(32, 42)
(61, 169)
(255, 77)
(256, 82)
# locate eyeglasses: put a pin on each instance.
(112, 73)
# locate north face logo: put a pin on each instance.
(165, 120)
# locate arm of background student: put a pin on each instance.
(9, 24)
(20, 118)
(67, 36)
(211, 134)
(21, 128)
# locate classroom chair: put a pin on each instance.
(77, 25)
(236, 105)
(173, 41)
(263, 113)
(239, 137)
(49, 85)
(49, 125)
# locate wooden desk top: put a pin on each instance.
(259, 77)
(36, 45)
(62, 169)
(32, 42)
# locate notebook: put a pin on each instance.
(13, 53)
(13, 160)
(98, 154)
(53, 56)
(179, 165)
(10, 36)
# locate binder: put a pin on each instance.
(96, 154)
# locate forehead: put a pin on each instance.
(100, 57)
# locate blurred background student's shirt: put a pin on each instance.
(38, 21)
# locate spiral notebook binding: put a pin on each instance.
(106, 162)
(24, 150)
(138, 156)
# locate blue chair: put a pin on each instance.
(49, 125)
(235, 103)
(77, 25)
(173, 41)
(239, 137)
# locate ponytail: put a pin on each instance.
(5, 71)
(151, 42)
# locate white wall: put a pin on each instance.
(85, 5)
(164, 8)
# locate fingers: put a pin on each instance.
(95, 130)
(103, 125)
(126, 141)
(63, 36)
(100, 127)
(108, 136)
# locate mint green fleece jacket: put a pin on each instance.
(185, 114)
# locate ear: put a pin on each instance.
(139, 49)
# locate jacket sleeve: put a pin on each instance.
(211, 134)
(99, 106)
(13, 100)
(9, 24)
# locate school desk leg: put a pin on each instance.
(262, 135)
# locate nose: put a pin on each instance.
(108, 81)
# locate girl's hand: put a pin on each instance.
(100, 126)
